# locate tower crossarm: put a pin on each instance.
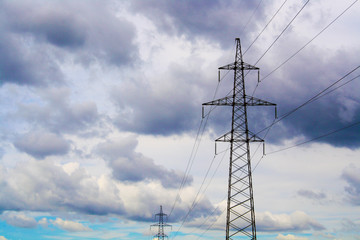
(253, 101)
(227, 137)
(163, 224)
(235, 65)
(229, 101)
(225, 101)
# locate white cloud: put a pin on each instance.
(43, 222)
(43, 186)
(69, 225)
(296, 221)
(70, 167)
(19, 219)
(290, 237)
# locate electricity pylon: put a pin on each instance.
(240, 215)
(161, 234)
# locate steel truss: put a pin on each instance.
(240, 216)
(161, 234)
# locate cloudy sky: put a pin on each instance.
(101, 117)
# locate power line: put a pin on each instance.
(210, 226)
(192, 157)
(288, 59)
(277, 38)
(296, 145)
(196, 146)
(196, 200)
(263, 78)
(203, 192)
(294, 54)
(240, 217)
(265, 26)
(330, 91)
(220, 201)
(212, 213)
(188, 168)
(313, 139)
(193, 154)
(213, 107)
(314, 98)
(243, 30)
(267, 132)
(194, 203)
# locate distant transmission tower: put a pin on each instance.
(240, 216)
(161, 234)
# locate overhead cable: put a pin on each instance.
(210, 226)
(323, 93)
(188, 167)
(265, 26)
(197, 199)
(316, 138)
(193, 154)
(277, 38)
(294, 54)
(253, 14)
(317, 96)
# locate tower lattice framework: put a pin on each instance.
(161, 225)
(240, 215)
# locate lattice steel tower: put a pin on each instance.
(161, 234)
(240, 216)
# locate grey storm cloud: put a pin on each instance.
(130, 166)
(42, 144)
(48, 22)
(20, 65)
(311, 71)
(291, 87)
(215, 20)
(156, 114)
(57, 113)
(35, 30)
(172, 108)
(42, 186)
(100, 35)
(351, 175)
